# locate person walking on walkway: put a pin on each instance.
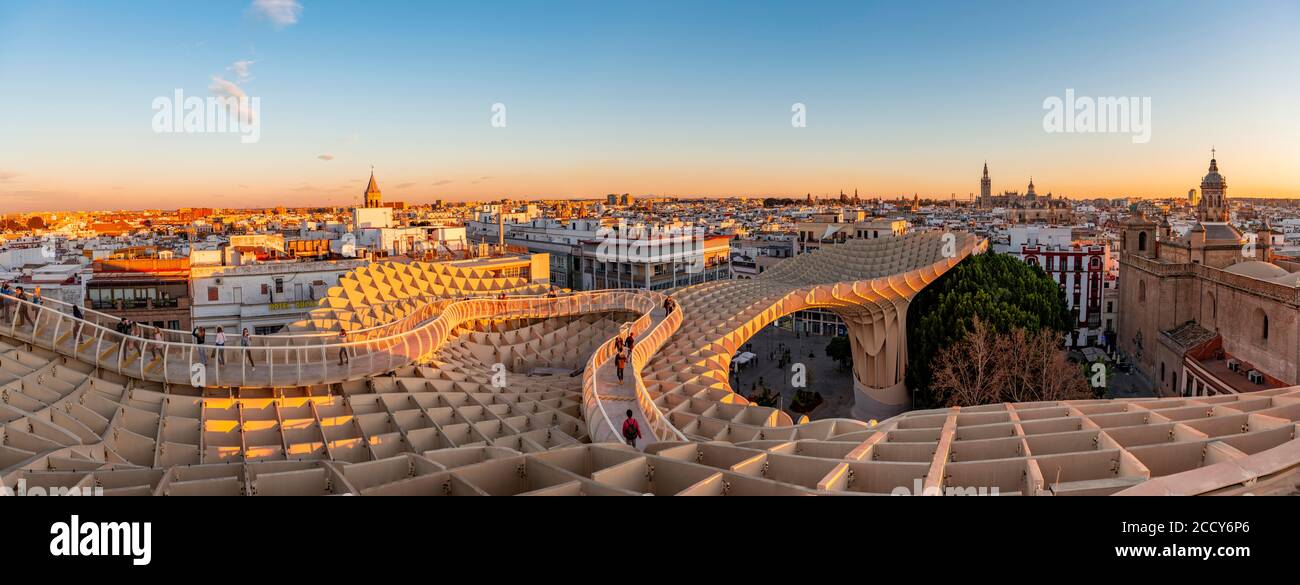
(618, 344)
(7, 293)
(246, 341)
(221, 346)
(158, 350)
(123, 328)
(21, 317)
(620, 362)
(631, 342)
(631, 430)
(200, 334)
(343, 349)
(76, 325)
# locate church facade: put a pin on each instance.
(1210, 312)
(1029, 207)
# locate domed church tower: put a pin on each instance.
(1213, 205)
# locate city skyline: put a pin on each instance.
(673, 100)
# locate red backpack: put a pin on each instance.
(630, 429)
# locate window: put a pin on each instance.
(266, 289)
(1261, 323)
(213, 294)
(174, 324)
(279, 285)
(1142, 241)
(1142, 291)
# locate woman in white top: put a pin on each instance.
(221, 344)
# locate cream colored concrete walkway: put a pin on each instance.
(616, 398)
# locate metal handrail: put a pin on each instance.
(382, 354)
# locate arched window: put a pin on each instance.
(1261, 324)
(1142, 291)
(1142, 241)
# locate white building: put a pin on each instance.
(1084, 269)
(263, 297)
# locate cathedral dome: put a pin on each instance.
(1292, 279)
(1257, 269)
(1213, 180)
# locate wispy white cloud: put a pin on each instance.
(281, 13)
(326, 157)
(443, 182)
(242, 70)
(224, 88)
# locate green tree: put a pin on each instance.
(1001, 290)
(840, 350)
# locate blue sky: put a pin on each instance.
(674, 98)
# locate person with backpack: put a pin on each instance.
(631, 430)
(620, 362)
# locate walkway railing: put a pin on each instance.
(315, 358)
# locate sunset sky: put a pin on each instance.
(647, 97)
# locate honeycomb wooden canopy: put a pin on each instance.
(443, 394)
